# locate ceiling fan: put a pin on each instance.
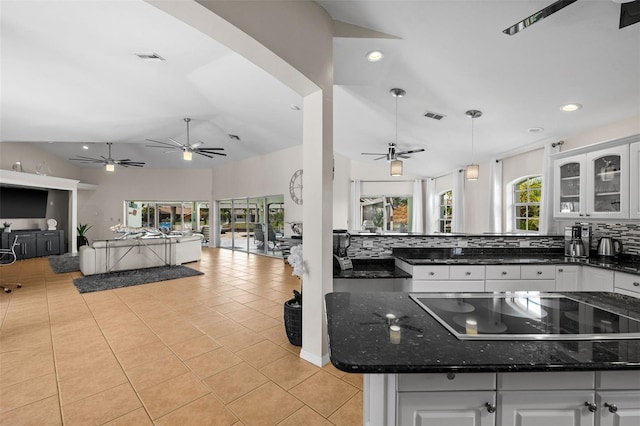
(629, 14)
(109, 162)
(393, 153)
(187, 149)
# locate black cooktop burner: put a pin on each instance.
(525, 316)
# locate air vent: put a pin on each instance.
(434, 115)
(149, 56)
(234, 137)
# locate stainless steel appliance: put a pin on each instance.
(525, 316)
(577, 240)
(341, 241)
(608, 246)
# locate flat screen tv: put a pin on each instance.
(23, 203)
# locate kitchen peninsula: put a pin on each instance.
(419, 373)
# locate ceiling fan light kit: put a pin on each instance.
(472, 171)
(109, 162)
(393, 155)
(187, 149)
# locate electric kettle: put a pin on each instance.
(608, 246)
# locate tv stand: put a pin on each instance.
(35, 243)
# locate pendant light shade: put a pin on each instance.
(187, 155)
(472, 171)
(110, 167)
(396, 168)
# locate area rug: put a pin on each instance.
(99, 282)
(65, 263)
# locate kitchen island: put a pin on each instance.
(422, 374)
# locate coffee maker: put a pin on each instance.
(341, 241)
(577, 240)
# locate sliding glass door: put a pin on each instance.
(252, 225)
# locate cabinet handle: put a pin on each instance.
(432, 273)
(467, 273)
(504, 273)
(539, 272)
(491, 408)
(560, 270)
(636, 284)
(612, 407)
(451, 376)
(587, 215)
(591, 406)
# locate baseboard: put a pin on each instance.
(314, 359)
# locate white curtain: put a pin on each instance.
(495, 197)
(546, 203)
(356, 220)
(418, 209)
(457, 222)
(432, 207)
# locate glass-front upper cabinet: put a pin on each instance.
(608, 183)
(634, 187)
(569, 187)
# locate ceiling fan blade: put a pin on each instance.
(411, 151)
(208, 149)
(629, 13)
(373, 153)
(382, 157)
(164, 144)
(403, 156)
(538, 16)
(209, 154)
(176, 142)
(197, 144)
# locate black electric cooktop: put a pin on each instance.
(525, 316)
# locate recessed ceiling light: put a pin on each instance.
(571, 107)
(85, 147)
(149, 57)
(375, 56)
(536, 129)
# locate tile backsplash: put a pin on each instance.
(384, 244)
(627, 233)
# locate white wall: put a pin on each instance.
(104, 207)
(31, 156)
(341, 187)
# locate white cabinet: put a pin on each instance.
(618, 408)
(568, 277)
(596, 279)
(446, 408)
(627, 284)
(593, 185)
(443, 278)
(549, 408)
(520, 278)
(608, 183)
(634, 186)
(569, 187)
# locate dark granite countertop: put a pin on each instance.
(474, 256)
(371, 268)
(359, 340)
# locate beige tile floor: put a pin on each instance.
(205, 350)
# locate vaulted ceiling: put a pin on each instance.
(70, 77)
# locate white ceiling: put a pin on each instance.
(68, 74)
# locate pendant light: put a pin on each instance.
(472, 171)
(396, 164)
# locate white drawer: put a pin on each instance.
(438, 272)
(627, 282)
(628, 379)
(467, 272)
(538, 272)
(446, 381)
(546, 380)
(503, 272)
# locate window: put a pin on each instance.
(526, 202)
(446, 211)
(167, 215)
(386, 213)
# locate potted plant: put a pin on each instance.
(293, 318)
(293, 307)
(81, 239)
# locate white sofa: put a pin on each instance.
(137, 253)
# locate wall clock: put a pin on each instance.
(295, 187)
